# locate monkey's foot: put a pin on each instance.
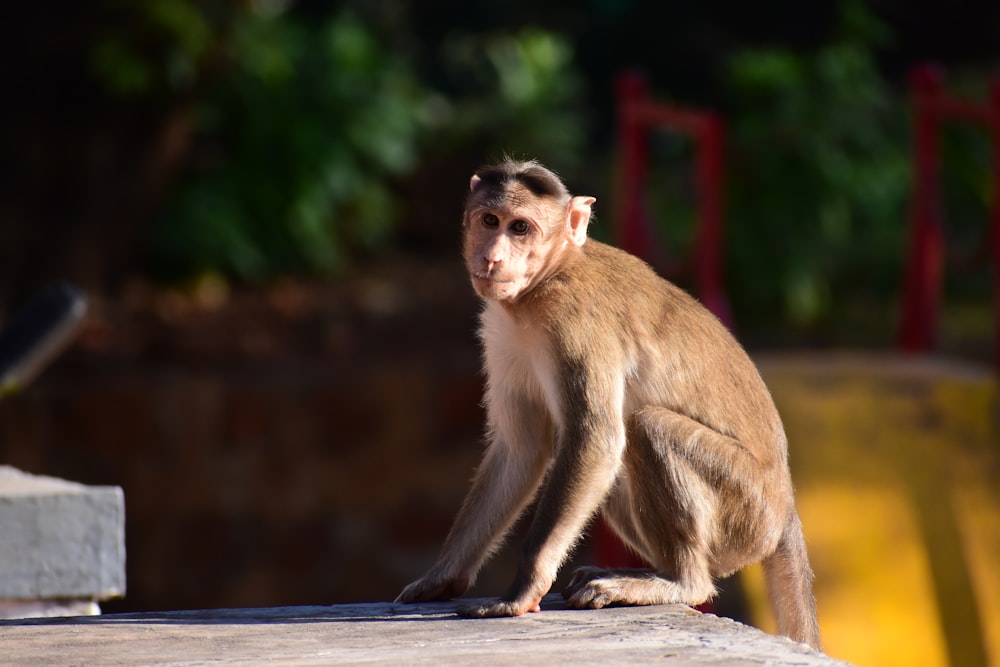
(594, 588)
(433, 588)
(584, 575)
(500, 608)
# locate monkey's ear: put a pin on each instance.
(473, 182)
(579, 218)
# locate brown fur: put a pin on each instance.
(617, 390)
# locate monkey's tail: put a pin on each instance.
(789, 583)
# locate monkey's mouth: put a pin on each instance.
(485, 277)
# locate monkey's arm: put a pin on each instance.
(510, 472)
(587, 461)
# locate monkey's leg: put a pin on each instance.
(677, 472)
(511, 470)
(617, 510)
(585, 467)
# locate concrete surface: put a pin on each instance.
(62, 541)
(397, 634)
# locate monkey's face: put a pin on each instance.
(516, 235)
(510, 250)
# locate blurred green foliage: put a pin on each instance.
(817, 179)
(309, 122)
(818, 183)
(295, 147)
(152, 47)
(515, 92)
(306, 127)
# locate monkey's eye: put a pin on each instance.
(491, 221)
(520, 227)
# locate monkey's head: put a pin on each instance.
(520, 223)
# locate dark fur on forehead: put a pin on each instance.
(497, 183)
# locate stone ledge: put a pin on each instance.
(62, 541)
(395, 634)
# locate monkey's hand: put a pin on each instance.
(501, 608)
(433, 587)
(524, 596)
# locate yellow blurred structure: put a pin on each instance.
(897, 469)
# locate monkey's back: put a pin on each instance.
(673, 352)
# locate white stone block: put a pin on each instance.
(60, 540)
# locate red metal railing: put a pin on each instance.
(637, 116)
(932, 108)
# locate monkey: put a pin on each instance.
(609, 388)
